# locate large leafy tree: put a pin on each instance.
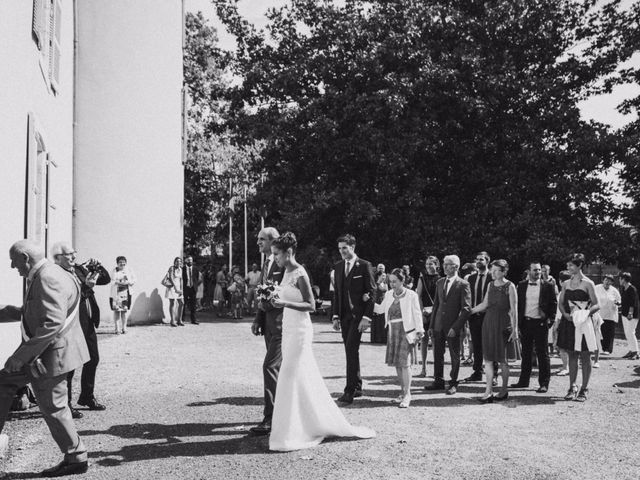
(433, 126)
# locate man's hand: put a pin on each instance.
(13, 365)
(256, 329)
(336, 323)
(364, 324)
(452, 333)
(366, 297)
(10, 313)
(430, 332)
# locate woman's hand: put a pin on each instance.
(179, 292)
(513, 337)
(419, 336)
(365, 297)
(277, 302)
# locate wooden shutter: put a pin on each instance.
(55, 31)
(39, 26)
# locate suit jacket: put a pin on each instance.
(196, 276)
(548, 302)
(51, 297)
(451, 310)
(352, 288)
(269, 317)
(89, 309)
(473, 278)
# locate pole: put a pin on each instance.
(246, 239)
(262, 256)
(230, 224)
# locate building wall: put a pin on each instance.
(129, 174)
(23, 90)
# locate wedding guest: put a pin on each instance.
(120, 294)
(378, 330)
(577, 299)
(219, 294)
(450, 310)
(537, 306)
(479, 282)
(174, 293)
(253, 280)
(237, 291)
(547, 277)
(200, 297)
(426, 292)
(629, 311)
(467, 270)
(408, 279)
(563, 276)
(382, 282)
(609, 299)
(499, 327)
(191, 281)
(401, 308)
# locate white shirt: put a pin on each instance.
(254, 278)
(348, 265)
(607, 300)
(532, 307)
(448, 282)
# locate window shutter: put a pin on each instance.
(54, 55)
(39, 27)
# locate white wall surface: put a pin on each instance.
(129, 188)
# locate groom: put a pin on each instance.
(268, 322)
(353, 306)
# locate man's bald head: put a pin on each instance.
(24, 255)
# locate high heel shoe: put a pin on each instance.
(405, 402)
(501, 398)
(485, 400)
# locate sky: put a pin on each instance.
(600, 108)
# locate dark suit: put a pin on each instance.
(479, 285)
(269, 319)
(450, 311)
(190, 291)
(536, 331)
(349, 306)
(51, 298)
(89, 321)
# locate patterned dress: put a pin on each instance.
(399, 352)
(496, 321)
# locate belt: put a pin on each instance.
(395, 320)
(531, 318)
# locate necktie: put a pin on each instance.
(533, 283)
(189, 284)
(446, 287)
(479, 288)
(347, 268)
(265, 272)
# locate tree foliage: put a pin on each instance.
(434, 126)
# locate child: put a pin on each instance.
(237, 290)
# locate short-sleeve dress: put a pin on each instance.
(176, 277)
(496, 321)
(400, 353)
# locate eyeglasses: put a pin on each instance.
(69, 254)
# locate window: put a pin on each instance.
(54, 45)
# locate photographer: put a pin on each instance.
(88, 275)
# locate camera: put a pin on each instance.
(92, 265)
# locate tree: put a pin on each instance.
(432, 126)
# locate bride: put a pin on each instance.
(304, 412)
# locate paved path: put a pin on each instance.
(180, 401)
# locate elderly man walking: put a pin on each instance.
(52, 346)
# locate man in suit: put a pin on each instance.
(52, 346)
(64, 255)
(451, 308)
(191, 279)
(268, 322)
(479, 282)
(352, 305)
(537, 305)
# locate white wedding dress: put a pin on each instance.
(304, 413)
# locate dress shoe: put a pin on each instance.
(346, 398)
(452, 390)
(181, 324)
(519, 385)
(92, 404)
(357, 394)
(501, 398)
(635, 356)
(542, 389)
(172, 324)
(195, 322)
(75, 413)
(263, 428)
(65, 468)
(475, 377)
(434, 386)
(485, 400)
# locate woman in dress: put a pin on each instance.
(578, 293)
(304, 412)
(174, 293)
(404, 319)
(219, 294)
(499, 327)
(120, 296)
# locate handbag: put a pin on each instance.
(506, 333)
(166, 281)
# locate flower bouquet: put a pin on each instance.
(265, 292)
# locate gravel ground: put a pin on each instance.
(180, 402)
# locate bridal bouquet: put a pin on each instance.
(265, 292)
